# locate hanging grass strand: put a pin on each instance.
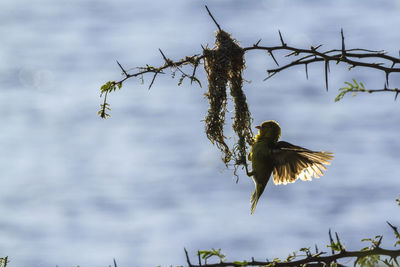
(216, 66)
(242, 120)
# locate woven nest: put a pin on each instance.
(224, 65)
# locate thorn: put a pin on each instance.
(152, 81)
(272, 55)
(315, 48)
(395, 260)
(387, 78)
(338, 240)
(187, 257)
(198, 255)
(165, 58)
(343, 47)
(392, 226)
(306, 66)
(256, 44)
(379, 241)
(292, 53)
(269, 76)
(318, 46)
(126, 74)
(397, 93)
(331, 240)
(356, 261)
(280, 36)
(194, 72)
(115, 263)
(326, 74)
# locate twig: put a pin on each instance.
(216, 23)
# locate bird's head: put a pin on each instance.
(269, 130)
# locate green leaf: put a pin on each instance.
(206, 254)
(105, 87)
(354, 87)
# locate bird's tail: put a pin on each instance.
(256, 195)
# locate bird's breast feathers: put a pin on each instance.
(261, 151)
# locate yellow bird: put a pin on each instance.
(287, 162)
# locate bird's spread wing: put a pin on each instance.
(293, 162)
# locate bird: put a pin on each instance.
(286, 162)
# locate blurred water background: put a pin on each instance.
(141, 186)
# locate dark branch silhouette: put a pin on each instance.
(304, 57)
(312, 259)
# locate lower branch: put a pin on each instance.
(393, 254)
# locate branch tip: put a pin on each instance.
(216, 23)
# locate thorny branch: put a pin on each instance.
(305, 57)
(308, 260)
(363, 257)
(308, 56)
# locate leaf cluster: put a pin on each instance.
(207, 254)
(354, 87)
(106, 88)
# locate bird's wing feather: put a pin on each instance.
(293, 162)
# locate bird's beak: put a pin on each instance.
(258, 127)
